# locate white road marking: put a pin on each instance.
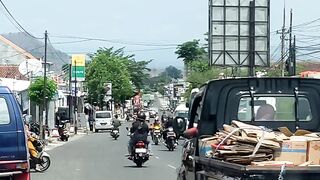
(157, 157)
(172, 167)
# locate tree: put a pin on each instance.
(190, 51)
(37, 91)
(109, 65)
(138, 72)
(173, 72)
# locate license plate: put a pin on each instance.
(157, 131)
(171, 134)
(141, 150)
(115, 131)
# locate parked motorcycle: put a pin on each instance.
(156, 134)
(43, 161)
(63, 133)
(171, 139)
(140, 153)
(115, 133)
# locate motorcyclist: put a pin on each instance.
(164, 117)
(156, 123)
(166, 125)
(116, 122)
(31, 141)
(139, 131)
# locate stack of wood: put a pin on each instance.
(243, 144)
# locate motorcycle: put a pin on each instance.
(115, 133)
(156, 134)
(63, 133)
(43, 161)
(171, 139)
(140, 153)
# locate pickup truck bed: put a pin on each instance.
(215, 168)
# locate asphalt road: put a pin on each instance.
(98, 156)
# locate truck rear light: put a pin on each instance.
(23, 165)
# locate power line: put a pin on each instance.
(7, 10)
(55, 52)
(25, 51)
(71, 42)
(115, 41)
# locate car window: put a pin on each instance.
(274, 109)
(4, 112)
(103, 115)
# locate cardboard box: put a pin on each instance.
(205, 145)
(294, 151)
(313, 153)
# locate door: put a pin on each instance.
(9, 147)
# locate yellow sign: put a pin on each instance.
(78, 60)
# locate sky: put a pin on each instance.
(158, 25)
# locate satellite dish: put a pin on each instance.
(30, 65)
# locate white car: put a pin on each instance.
(103, 120)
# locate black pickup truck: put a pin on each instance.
(294, 103)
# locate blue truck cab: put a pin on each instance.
(14, 155)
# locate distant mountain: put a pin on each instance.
(36, 48)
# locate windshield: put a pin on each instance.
(274, 109)
(103, 115)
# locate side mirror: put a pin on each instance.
(27, 118)
(127, 128)
(181, 124)
(187, 104)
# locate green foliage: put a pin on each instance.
(109, 66)
(199, 66)
(123, 71)
(37, 91)
(190, 51)
(172, 72)
(156, 83)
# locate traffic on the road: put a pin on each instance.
(159, 90)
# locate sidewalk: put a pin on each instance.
(53, 142)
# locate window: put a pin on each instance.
(4, 112)
(103, 115)
(274, 109)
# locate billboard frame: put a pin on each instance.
(254, 57)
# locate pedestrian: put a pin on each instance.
(91, 120)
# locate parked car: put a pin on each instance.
(14, 162)
(103, 120)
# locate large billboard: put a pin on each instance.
(239, 32)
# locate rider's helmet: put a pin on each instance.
(141, 116)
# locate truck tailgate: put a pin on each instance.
(213, 166)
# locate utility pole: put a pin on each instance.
(45, 107)
(70, 93)
(283, 33)
(294, 59)
(76, 99)
(290, 59)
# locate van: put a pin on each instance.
(14, 155)
(103, 120)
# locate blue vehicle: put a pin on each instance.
(14, 155)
